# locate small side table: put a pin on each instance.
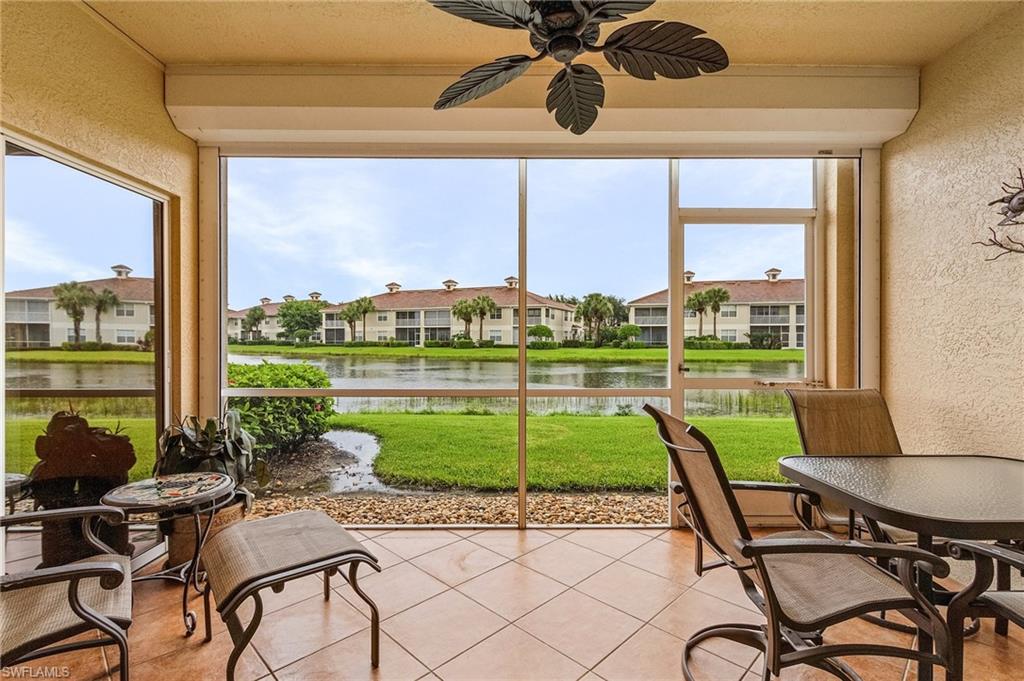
(14, 487)
(181, 495)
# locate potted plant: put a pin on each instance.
(220, 445)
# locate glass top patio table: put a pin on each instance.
(962, 497)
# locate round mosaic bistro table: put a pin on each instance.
(14, 483)
(181, 495)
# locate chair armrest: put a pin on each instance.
(965, 550)
(111, 575)
(784, 487)
(110, 514)
(867, 549)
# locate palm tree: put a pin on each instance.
(715, 298)
(595, 309)
(365, 306)
(253, 318)
(464, 310)
(483, 306)
(698, 302)
(74, 299)
(350, 314)
(103, 301)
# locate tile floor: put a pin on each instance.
(590, 604)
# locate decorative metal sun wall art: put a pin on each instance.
(1012, 210)
(566, 30)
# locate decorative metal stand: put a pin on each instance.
(178, 496)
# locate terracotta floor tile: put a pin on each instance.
(984, 662)
(557, 532)
(437, 630)
(303, 628)
(512, 590)
(579, 626)
(207, 660)
(665, 559)
(385, 557)
(725, 584)
(393, 590)
(511, 655)
(513, 543)
(371, 532)
(411, 543)
(467, 532)
(653, 655)
(349, 659)
(19, 548)
(80, 665)
(695, 610)
(567, 562)
(628, 588)
(614, 543)
(679, 537)
(155, 632)
(456, 563)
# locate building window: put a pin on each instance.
(496, 314)
(690, 314)
(124, 310)
(125, 336)
(382, 316)
(728, 311)
(727, 335)
(83, 335)
(382, 336)
(437, 318)
(496, 336)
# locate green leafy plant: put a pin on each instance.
(296, 315)
(220, 445)
(629, 332)
(540, 331)
(280, 424)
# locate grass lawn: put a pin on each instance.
(20, 443)
(606, 354)
(566, 452)
(81, 356)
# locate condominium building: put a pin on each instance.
(770, 306)
(420, 315)
(269, 328)
(33, 319)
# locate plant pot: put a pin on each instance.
(181, 536)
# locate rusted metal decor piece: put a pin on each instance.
(1012, 212)
(566, 30)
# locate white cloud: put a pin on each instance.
(29, 255)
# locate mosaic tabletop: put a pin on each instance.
(14, 481)
(170, 492)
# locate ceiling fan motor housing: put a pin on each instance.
(565, 47)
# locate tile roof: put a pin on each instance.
(129, 289)
(740, 291)
(418, 299)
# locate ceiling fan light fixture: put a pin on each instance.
(563, 31)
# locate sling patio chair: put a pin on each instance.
(978, 599)
(802, 581)
(42, 607)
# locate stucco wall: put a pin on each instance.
(70, 81)
(953, 324)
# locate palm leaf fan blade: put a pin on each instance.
(574, 95)
(496, 13)
(483, 80)
(664, 48)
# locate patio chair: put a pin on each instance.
(846, 423)
(977, 599)
(42, 607)
(802, 581)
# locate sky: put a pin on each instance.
(345, 227)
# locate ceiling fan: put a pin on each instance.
(564, 31)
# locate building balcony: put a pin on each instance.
(651, 321)
(334, 324)
(14, 317)
(407, 323)
(769, 319)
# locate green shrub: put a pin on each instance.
(463, 344)
(588, 344)
(632, 345)
(280, 424)
(397, 343)
(542, 345)
(485, 343)
(436, 344)
(572, 343)
(541, 331)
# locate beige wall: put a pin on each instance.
(72, 82)
(953, 324)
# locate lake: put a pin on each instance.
(359, 372)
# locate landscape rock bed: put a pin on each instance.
(474, 509)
